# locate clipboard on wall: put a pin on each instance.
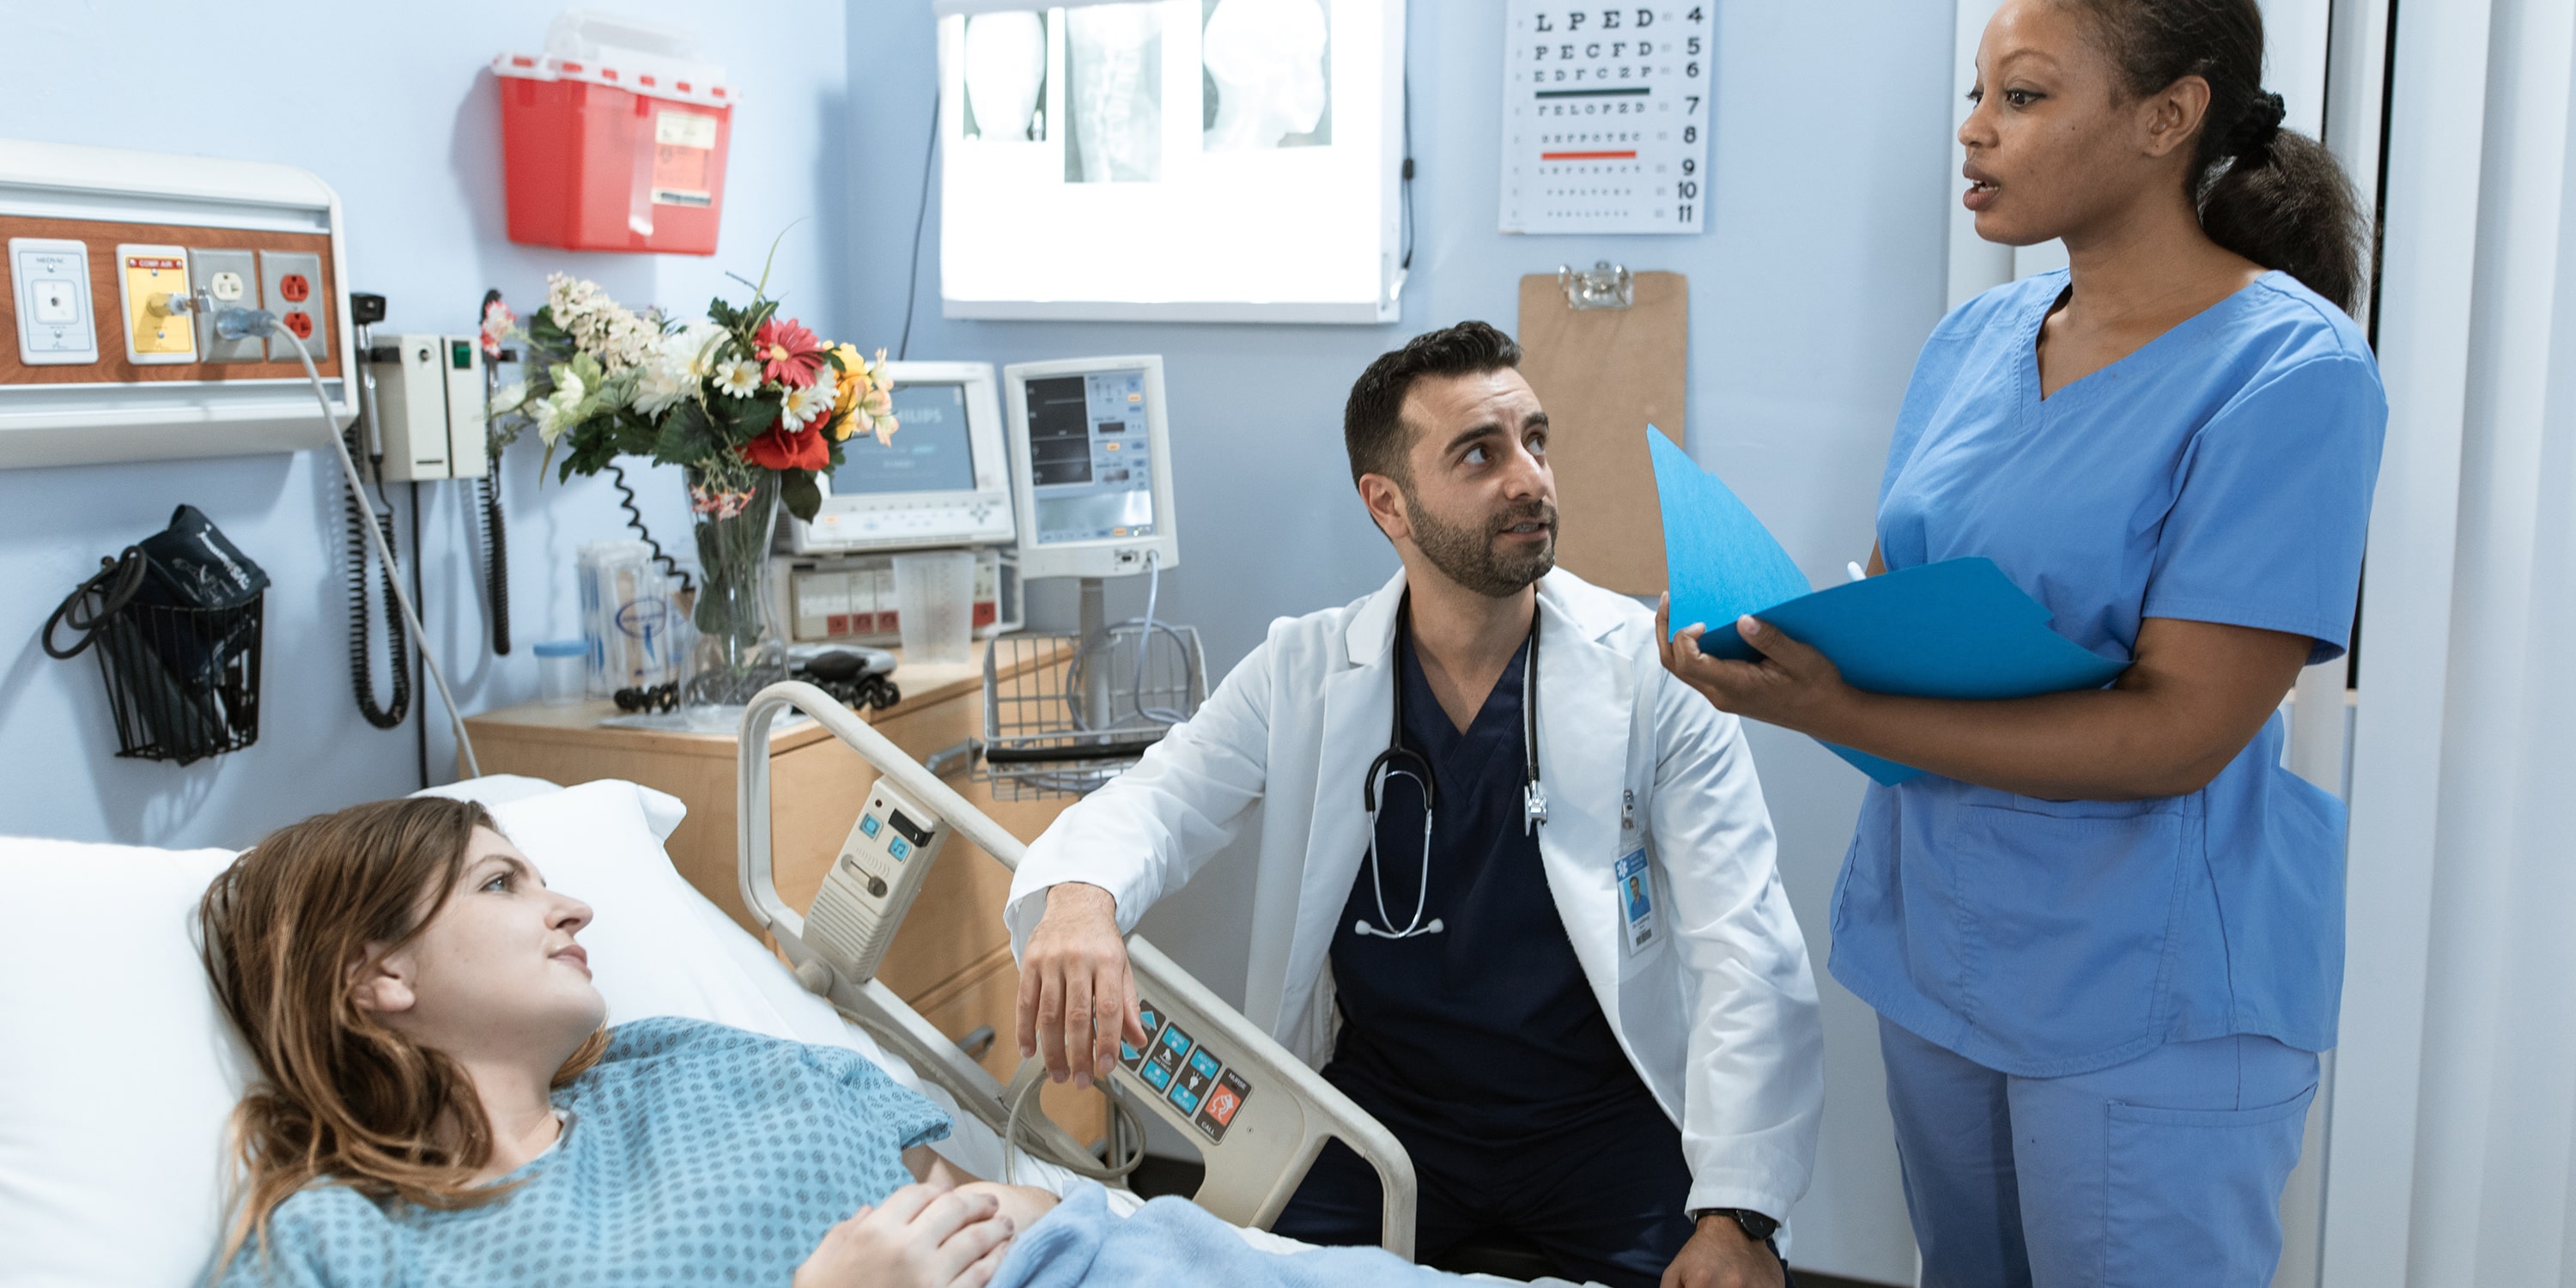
(1606, 350)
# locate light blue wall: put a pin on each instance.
(394, 109)
(1821, 272)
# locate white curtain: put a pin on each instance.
(2453, 1132)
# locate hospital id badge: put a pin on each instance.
(1636, 891)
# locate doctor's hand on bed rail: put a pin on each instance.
(1077, 995)
(929, 1235)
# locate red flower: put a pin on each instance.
(781, 449)
(787, 352)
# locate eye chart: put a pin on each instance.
(1605, 116)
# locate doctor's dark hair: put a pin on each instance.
(1373, 421)
(2274, 196)
(341, 1097)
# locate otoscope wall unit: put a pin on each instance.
(118, 265)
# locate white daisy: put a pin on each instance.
(807, 404)
(739, 377)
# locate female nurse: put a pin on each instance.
(2104, 931)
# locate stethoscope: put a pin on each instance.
(1400, 761)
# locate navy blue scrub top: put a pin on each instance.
(1488, 1026)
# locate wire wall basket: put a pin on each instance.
(182, 682)
(1063, 730)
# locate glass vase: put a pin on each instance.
(738, 652)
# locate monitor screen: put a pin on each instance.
(929, 453)
(1089, 474)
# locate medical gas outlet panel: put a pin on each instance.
(873, 882)
(117, 265)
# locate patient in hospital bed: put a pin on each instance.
(439, 1104)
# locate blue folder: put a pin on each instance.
(1954, 629)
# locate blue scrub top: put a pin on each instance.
(2221, 473)
(1488, 1030)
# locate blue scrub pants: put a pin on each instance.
(2165, 1170)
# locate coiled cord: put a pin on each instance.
(635, 520)
(397, 641)
(496, 554)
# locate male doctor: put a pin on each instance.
(1570, 984)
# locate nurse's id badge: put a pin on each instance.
(1636, 891)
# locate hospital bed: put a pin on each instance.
(118, 1074)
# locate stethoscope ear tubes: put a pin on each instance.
(1400, 761)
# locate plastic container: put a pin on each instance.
(630, 628)
(614, 138)
(934, 598)
(563, 671)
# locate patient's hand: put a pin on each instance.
(1022, 1204)
(922, 1236)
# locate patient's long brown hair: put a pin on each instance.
(342, 1096)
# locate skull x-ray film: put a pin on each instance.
(1186, 160)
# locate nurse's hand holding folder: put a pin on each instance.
(2190, 700)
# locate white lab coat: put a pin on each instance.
(1718, 1015)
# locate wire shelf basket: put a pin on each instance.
(1053, 731)
(183, 683)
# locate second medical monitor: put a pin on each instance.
(1090, 466)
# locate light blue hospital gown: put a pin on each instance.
(693, 1154)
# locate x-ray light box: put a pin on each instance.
(1171, 160)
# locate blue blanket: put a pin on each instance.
(1173, 1241)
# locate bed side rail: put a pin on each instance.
(1256, 1113)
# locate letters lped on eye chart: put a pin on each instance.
(1605, 117)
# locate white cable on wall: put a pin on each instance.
(234, 324)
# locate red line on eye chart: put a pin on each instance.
(1629, 155)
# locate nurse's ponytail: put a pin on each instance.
(2274, 196)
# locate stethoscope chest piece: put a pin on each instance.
(1400, 761)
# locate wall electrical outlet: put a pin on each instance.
(292, 283)
(231, 279)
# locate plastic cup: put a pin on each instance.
(563, 668)
(934, 597)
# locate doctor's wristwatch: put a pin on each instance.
(1757, 1227)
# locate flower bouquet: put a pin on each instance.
(750, 405)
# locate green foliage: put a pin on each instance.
(804, 499)
(686, 436)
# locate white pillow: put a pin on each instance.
(118, 1074)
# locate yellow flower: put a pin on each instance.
(863, 397)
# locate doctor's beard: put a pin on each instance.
(1467, 554)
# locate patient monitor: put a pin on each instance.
(941, 482)
(1258, 1115)
(1091, 466)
